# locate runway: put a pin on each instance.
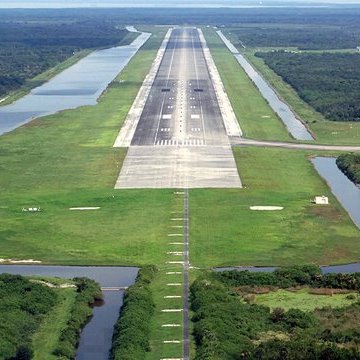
(180, 139)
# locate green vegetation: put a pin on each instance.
(46, 338)
(70, 162)
(28, 49)
(22, 308)
(349, 164)
(325, 131)
(224, 231)
(302, 36)
(88, 292)
(131, 339)
(329, 82)
(304, 299)
(226, 327)
(43, 77)
(256, 118)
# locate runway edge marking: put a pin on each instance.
(228, 115)
(127, 131)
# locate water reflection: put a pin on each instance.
(79, 85)
(345, 190)
(296, 128)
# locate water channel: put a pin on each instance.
(79, 85)
(344, 269)
(296, 128)
(344, 189)
(95, 341)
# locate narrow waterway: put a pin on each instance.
(79, 85)
(295, 127)
(343, 269)
(95, 341)
(344, 189)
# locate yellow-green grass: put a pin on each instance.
(46, 338)
(57, 69)
(256, 118)
(224, 231)
(304, 300)
(326, 132)
(67, 160)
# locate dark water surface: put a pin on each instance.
(95, 341)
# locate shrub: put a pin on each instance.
(132, 330)
(88, 291)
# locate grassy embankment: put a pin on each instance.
(46, 339)
(47, 75)
(326, 132)
(67, 160)
(224, 231)
(257, 120)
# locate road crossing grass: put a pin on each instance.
(224, 231)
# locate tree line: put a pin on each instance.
(23, 305)
(349, 164)
(131, 339)
(329, 82)
(309, 37)
(28, 49)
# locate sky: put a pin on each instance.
(182, 3)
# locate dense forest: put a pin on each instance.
(334, 16)
(27, 48)
(32, 41)
(329, 82)
(303, 37)
(228, 325)
(22, 307)
(349, 164)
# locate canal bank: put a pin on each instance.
(96, 337)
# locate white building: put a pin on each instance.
(321, 200)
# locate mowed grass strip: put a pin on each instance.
(46, 338)
(326, 132)
(67, 160)
(224, 231)
(256, 118)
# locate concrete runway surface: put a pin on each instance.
(180, 140)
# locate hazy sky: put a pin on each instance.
(200, 3)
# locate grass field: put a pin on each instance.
(326, 132)
(303, 300)
(46, 338)
(225, 232)
(67, 160)
(256, 118)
